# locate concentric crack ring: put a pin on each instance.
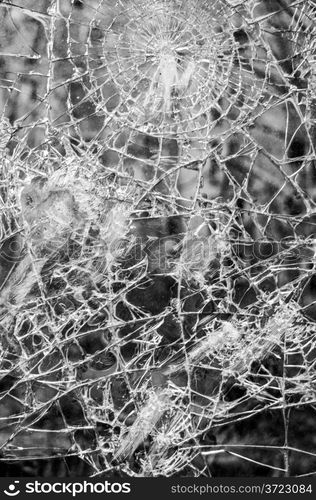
(171, 62)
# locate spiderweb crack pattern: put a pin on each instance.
(157, 190)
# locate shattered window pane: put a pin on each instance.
(157, 194)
